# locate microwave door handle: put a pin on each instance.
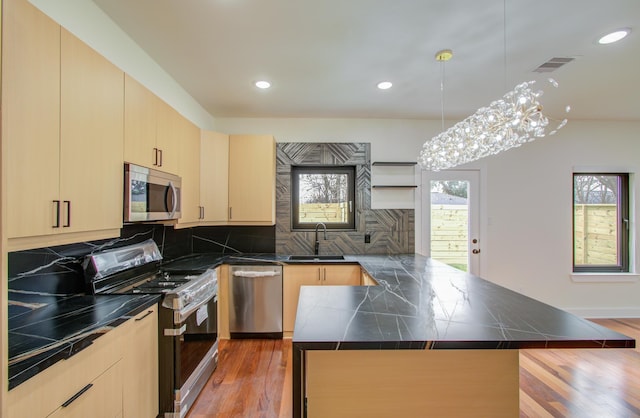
(174, 194)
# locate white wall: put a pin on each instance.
(526, 200)
(529, 217)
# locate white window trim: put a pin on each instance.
(604, 277)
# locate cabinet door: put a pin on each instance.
(168, 137)
(140, 377)
(346, 274)
(214, 176)
(140, 115)
(252, 176)
(188, 136)
(293, 277)
(91, 137)
(30, 118)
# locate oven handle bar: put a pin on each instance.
(180, 316)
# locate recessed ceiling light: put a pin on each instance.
(614, 36)
(384, 85)
(263, 84)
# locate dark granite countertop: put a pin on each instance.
(44, 329)
(422, 303)
(419, 303)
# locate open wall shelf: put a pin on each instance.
(394, 164)
(392, 186)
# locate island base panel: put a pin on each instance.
(383, 383)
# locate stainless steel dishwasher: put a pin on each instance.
(255, 301)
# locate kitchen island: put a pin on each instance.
(428, 338)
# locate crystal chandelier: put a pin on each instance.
(515, 119)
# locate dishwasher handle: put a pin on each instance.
(252, 273)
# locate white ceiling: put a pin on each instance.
(325, 57)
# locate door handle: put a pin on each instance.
(68, 204)
(475, 251)
(57, 215)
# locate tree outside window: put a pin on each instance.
(323, 194)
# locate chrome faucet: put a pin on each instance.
(317, 246)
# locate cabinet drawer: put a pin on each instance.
(45, 393)
(100, 398)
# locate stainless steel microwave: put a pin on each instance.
(150, 195)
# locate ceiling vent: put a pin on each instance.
(553, 64)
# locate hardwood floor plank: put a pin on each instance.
(254, 379)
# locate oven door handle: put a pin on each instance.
(180, 316)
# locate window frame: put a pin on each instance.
(349, 170)
(622, 223)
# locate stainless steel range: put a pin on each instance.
(187, 321)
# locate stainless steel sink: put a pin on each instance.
(316, 257)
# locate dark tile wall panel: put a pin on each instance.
(392, 231)
(234, 239)
(58, 270)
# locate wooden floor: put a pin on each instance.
(253, 379)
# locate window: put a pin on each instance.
(323, 194)
(600, 222)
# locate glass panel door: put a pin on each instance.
(451, 218)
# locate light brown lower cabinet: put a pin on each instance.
(412, 383)
(367, 280)
(294, 276)
(140, 363)
(97, 381)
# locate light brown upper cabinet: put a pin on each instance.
(62, 127)
(149, 129)
(252, 180)
(91, 115)
(30, 118)
(187, 136)
(214, 177)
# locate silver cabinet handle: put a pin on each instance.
(230, 216)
